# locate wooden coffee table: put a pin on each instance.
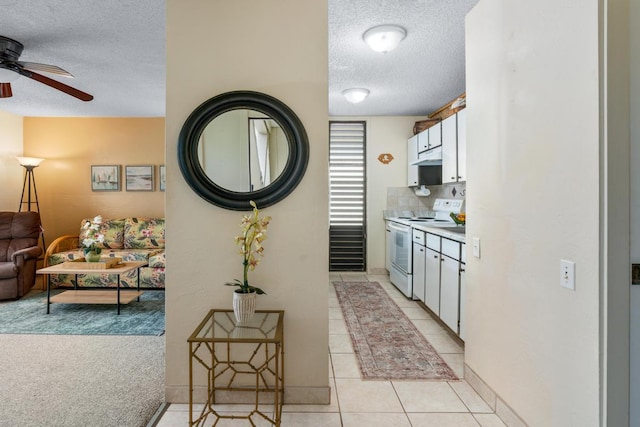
(93, 296)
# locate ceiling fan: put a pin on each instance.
(10, 51)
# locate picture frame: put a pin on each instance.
(105, 177)
(139, 177)
(162, 177)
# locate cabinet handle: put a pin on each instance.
(462, 270)
(453, 177)
(435, 256)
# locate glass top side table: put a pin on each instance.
(230, 353)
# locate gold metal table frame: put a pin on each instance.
(218, 341)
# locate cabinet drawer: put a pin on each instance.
(451, 249)
(418, 236)
(433, 242)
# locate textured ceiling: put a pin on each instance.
(114, 48)
(116, 51)
(424, 73)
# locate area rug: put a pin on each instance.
(387, 344)
(28, 316)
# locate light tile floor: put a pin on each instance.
(357, 403)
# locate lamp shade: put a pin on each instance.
(29, 161)
(384, 38)
(356, 94)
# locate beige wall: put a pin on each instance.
(11, 173)
(280, 48)
(70, 146)
(533, 199)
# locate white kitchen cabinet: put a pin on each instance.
(449, 150)
(462, 145)
(412, 157)
(462, 322)
(435, 135)
(454, 148)
(423, 141)
(450, 292)
(419, 258)
(432, 280)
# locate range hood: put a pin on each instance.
(431, 157)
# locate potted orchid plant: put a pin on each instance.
(254, 232)
(92, 242)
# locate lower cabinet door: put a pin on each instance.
(432, 280)
(418, 271)
(462, 301)
(450, 292)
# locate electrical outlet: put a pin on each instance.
(568, 274)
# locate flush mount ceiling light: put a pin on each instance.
(384, 38)
(355, 94)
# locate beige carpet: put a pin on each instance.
(387, 344)
(80, 380)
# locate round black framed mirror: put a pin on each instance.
(230, 165)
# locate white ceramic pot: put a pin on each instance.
(244, 306)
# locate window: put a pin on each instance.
(347, 201)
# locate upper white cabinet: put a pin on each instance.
(449, 148)
(412, 157)
(454, 148)
(423, 141)
(435, 135)
(462, 145)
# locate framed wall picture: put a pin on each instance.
(162, 177)
(139, 178)
(105, 177)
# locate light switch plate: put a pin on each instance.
(568, 274)
(476, 247)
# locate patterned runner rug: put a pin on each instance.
(387, 344)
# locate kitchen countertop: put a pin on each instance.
(453, 232)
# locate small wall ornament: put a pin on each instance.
(385, 158)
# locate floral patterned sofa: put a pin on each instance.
(132, 239)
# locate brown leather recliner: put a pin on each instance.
(19, 251)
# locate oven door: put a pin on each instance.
(401, 247)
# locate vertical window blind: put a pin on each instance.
(347, 201)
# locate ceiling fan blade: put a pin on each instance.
(83, 96)
(5, 90)
(52, 69)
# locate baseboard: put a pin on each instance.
(157, 416)
(508, 416)
(292, 395)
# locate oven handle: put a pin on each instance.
(399, 227)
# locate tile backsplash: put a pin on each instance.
(404, 198)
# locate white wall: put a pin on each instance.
(11, 173)
(635, 208)
(279, 48)
(533, 199)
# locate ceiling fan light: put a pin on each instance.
(5, 90)
(384, 38)
(7, 76)
(355, 95)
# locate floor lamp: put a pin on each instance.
(29, 186)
